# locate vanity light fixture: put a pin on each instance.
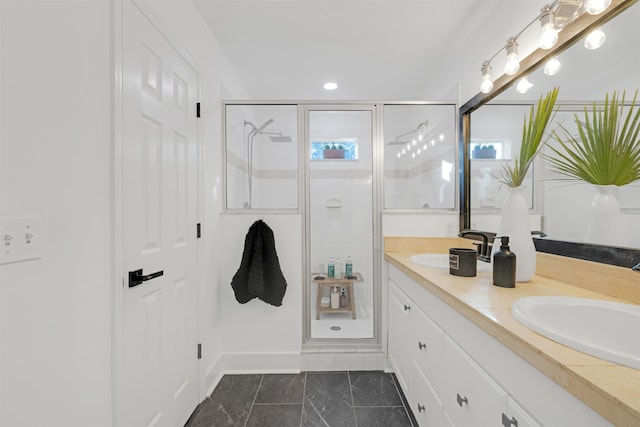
(549, 36)
(523, 85)
(487, 84)
(596, 7)
(552, 67)
(513, 65)
(595, 39)
(330, 86)
(553, 18)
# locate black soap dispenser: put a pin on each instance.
(504, 265)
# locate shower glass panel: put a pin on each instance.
(261, 157)
(419, 156)
(340, 218)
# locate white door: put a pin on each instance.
(159, 364)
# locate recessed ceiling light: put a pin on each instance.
(330, 86)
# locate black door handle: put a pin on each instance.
(136, 277)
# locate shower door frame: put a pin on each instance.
(309, 343)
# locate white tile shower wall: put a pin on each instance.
(346, 230)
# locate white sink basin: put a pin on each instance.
(442, 261)
(604, 329)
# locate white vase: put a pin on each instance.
(604, 219)
(514, 222)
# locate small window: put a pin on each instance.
(335, 149)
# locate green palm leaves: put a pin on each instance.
(606, 150)
(532, 133)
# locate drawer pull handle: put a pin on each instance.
(421, 346)
(407, 307)
(421, 408)
(506, 422)
(462, 400)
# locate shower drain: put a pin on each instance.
(335, 328)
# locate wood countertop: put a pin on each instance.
(610, 389)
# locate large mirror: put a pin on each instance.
(492, 126)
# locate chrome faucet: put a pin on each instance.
(484, 248)
(636, 267)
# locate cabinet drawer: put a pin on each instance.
(469, 395)
(425, 405)
(428, 347)
(516, 416)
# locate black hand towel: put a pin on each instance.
(259, 274)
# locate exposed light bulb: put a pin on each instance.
(513, 65)
(419, 151)
(424, 147)
(441, 137)
(330, 86)
(595, 39)
(413, 142)
(413, 155)
(596, 7)
(399, 154)
(552, 67)
(487, 85)
(408, 147)
(403, 151)
(549, 36)
(433, 141)
(523, 85)
(420, 136)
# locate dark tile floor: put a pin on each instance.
(309, 399)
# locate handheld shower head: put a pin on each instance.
(267, 123)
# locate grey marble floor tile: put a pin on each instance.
(230, 403)
(382, 417)
(373, 388)
(327, 401)
(275, 415)
(281, 388)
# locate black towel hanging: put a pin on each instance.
(259, 274)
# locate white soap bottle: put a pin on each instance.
(335, 298)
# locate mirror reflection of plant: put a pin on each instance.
(606, 149)
(533, 131)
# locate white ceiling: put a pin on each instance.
(374, 49)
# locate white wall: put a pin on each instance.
(56, 103)
(258, 337)
(55, 329)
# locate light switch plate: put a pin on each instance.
(20, 238)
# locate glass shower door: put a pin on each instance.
(340, 220)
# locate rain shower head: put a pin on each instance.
(280, 138)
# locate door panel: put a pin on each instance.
(160, 367)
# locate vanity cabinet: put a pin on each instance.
(455, 374)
